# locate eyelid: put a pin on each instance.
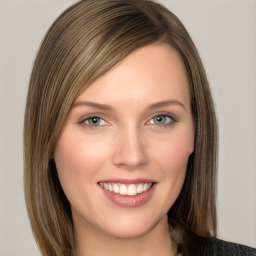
(167, 114)
(172, 116)
(86, 117)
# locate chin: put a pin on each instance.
(128, 232)
(128, 228)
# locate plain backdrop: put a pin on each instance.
(224, 32)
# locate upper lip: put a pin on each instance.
(128, 181)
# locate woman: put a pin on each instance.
(120, 136)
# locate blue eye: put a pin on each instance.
(161, 120)
(95, 121)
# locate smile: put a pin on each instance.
(126, 189)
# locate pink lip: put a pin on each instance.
(129, 201)
(128, 181)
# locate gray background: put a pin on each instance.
(225, 34)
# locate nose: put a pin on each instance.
(130, 151)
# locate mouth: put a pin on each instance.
(128, 193)
(127, 189)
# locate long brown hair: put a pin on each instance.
(86, 41)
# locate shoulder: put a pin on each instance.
(217, 247)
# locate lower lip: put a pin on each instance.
(129, 201)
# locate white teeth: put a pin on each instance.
(116, 188)
(123, 189)
(140, 188)
(132, 191)
(110, 187)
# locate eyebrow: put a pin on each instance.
(167, 103)
(107, 107)
(91, 104)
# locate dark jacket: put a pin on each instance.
(215, 247)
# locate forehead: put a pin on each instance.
(154, 72)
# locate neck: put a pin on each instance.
(156, 241)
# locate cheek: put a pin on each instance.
(171, 158)
(77, 154)
(77, 162)
(69, 166)
(68, 158)
(78, 166)
(175, 152)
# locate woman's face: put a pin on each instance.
(123, 153)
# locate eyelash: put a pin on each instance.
(172, 118)
(165, 115)
(85, 120)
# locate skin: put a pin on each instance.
(128, 143)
